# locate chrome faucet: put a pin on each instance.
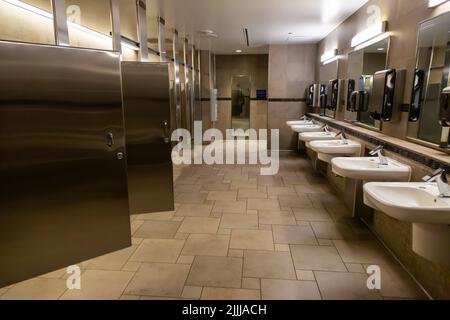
(378, 151)
(343, 137)
(326, 128)
(440, 176)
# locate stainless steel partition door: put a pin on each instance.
(63, 191)
(146, 100)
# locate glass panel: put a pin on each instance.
(28, 21)
(128, 19)
(240, 101)
(95, 18)
(328, 73)
(434, 58)
(153, 27)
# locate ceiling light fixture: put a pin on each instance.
(380, 49)
(238, 51)
(369, 33)
(70, 24)
(435, 3)
(328, 56)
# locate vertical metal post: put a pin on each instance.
(162, 39)
(176, 67)
(142, 29)
(60, 23)
(115, 24)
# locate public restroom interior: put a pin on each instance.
(352, 97)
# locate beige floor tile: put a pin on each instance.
(369, 252)
(270, 265)
(326, 243)
(224, 231)
(159, 216)
(236, 253)
(263, 204)
(282, 248)
(230, 294)
(131, 266)
(190, 198)
(251, 240)
(237, 185)
(271, 181)
(112, 261)
(57, 274)
(312, 214)
(344, 286)
(216, 186)
(157, 229)
(289, 290)
(251, 283)
(194, 210)
(317, 258)
(100, 285)
(281, 191)
(251, 193)
(129, 297)
(181, 188)
(206, 245)
(186, 259)
(135, 225)
(305, 275)
(181, 236)
(199, 225)
(36, 289)
(265, 227)
(294, 235)
(221, 272)
(230, 206)
(192, 292)
(396, 283)
(333, 231)
(277, 218)
(294, 201)
(222, 195)
(239, 221)
(159, 280)
(158, 250)
(310, 188)
(355, 268)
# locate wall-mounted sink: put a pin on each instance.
(307, 128)
(299, 123)
(317, 136)
(329, 149)
(420, 204)
(371, 169)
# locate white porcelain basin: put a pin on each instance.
(316, 136)
(307, 128)
(410, 202)
(299, 123)
(370, 169)
(329, 149)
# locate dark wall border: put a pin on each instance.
(287, 100)
(229, 99)
(404, 152)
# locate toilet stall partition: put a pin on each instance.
(63, 196)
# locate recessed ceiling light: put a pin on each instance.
(380, 49)
(238, 51)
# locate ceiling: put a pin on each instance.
(267, 21)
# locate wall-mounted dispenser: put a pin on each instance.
(351, 86)
(417, 95)
(387, 95)
(444, 112)
(334, 100)
(323, 97)
(312, 95)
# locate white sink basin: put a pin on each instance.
(317, 136)
(299, 123)
(307, 128)
(370, 169)
(410, 202)
(329, 149)
(420, 204)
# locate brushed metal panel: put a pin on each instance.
(63, 196)
(146, 101)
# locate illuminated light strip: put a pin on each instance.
(70, 24)
(370, 33)
(373, 41)
(435, 3)
(329, 55)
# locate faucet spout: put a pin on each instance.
(378, 151)
(343, 137)
(440, 176)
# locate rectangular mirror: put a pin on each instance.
(362, 65)
(430, 82)
(328, 74)
(240, 97)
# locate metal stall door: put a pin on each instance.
(146, 100)
(63, 194)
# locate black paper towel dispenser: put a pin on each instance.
(351, 84)
(444, 112)
(417, 96)
(312, 96)
(334, 99)
(323, 97)
(387, 95)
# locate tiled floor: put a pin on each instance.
(237, 235)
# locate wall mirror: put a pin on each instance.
(431, 81)
(240, 101)
(328, 74)
(362, 65)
